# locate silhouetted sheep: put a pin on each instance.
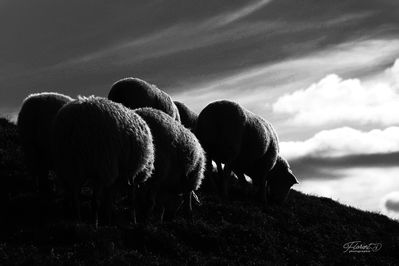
(246, 144)
(104, 142)
(187, 117)
(136, 93)
(179, 164)
(35, 121)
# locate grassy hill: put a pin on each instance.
(306, 230)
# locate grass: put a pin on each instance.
(306, 230)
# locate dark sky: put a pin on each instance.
(82, 47)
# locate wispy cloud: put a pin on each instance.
(175, 39)
(258, 87)
(186, 36)
(230, 17)
(183, 36)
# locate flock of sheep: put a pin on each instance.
(140, 143)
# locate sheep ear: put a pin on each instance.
(293, 178)
(196, 199)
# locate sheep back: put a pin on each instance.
(259, 149)
(179, 157)
(35, 121)
(234, 135)
(101, 140)
(220, 129)
(135, 93)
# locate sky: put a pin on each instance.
(324, 73)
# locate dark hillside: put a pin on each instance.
(306, 230)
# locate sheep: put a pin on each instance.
(135, 93)
(179, 164)
(189, 120)
(246, 144)
(34, 124)
(105, 143)
(187, 117)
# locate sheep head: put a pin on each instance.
(280, 181)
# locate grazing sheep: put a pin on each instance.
(187, 117)
(179, 164)
(246, 144)
(35, 121)
(135, 93)
(105, 143)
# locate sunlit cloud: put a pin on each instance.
(329, 152)
(333, 100)
(392, 74)
(343, 141)
(364, 188)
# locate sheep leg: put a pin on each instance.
(226, 180)
(67, 202)
(43, 183)
(220, 170)
(150, 204)
(96, 203)
(76, 202)
(109, 197)
(94, 208)
(241, 179)
(209, 175)
(262, 191)
(188, 209)
(242, 182)
(220, 177)
(107, 204)
(132, 196)
(171, 206)
(197, 201)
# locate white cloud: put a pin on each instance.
(393, 73)
(334, 100)
(343, 141)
